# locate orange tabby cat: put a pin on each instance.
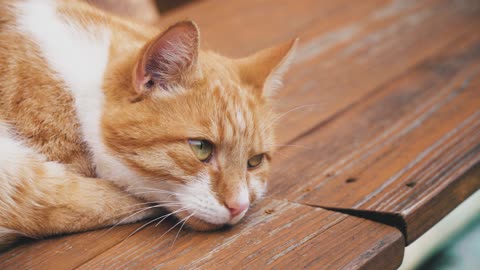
(99, 115)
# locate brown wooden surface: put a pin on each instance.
(382, 121)
(401, 148)
(66, 252)
(276, 234)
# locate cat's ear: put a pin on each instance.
(264, 70)
(167, 58)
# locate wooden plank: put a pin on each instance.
(65, 252)
(401, 151)
(369, 241)
(277, 234)
(347, 75)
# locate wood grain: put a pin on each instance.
(64, 252)
(401, 149)
(275, 235)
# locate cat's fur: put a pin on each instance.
(96, 113)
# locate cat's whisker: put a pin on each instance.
(131, 195)
(172, 213)
(154, 189)
(137, 204)
(150, 202)
(159, 205)
(149, 192)
(176, 236)
(176, 224)
(163, 191)
(146, 224)
(126, 218)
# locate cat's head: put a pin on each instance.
(196, 127)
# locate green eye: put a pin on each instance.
(255, 161)
(202, 149)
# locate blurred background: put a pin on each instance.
(453, 243)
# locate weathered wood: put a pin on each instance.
(66, 252)
(277, 234)
(403, 148)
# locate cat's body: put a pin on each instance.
(99, 115)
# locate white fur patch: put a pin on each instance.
(79, 55)
(16, 169)
(242, 125)
(198, 198)
(259, 188)
(13, 161)
(14, 154)
(243, 196)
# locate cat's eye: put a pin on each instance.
(255, 161)
(202, 149)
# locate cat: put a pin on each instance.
(104, 121)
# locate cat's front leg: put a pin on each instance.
(40, 198)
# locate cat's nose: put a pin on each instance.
(237, 208)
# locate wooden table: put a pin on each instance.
(382, 139)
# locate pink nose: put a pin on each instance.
(236, 208)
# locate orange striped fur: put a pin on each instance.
(96, 114)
